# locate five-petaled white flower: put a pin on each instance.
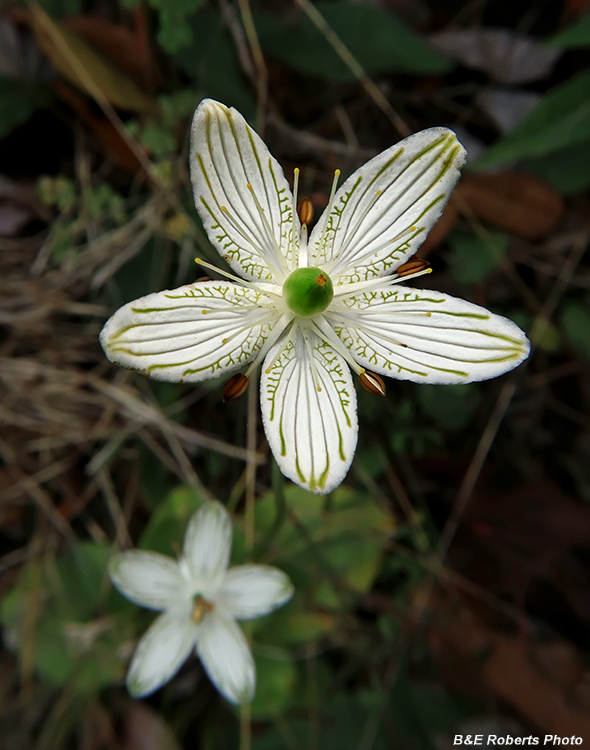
(313, 308)
(200, 600)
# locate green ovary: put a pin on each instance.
(308, 291)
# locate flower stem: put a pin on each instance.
(245, 726)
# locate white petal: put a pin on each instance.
(147, 578)
(426, 336)
(207, 544)
(250, 591)
(251, 227)
(161, 652)
(196, 332)
(312, 433)
(384, 211)
(224, 651)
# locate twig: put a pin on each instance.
(355, 67)
(261, 71)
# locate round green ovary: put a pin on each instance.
(308, 291)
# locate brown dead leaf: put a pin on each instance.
(146, 730)
(127, 49)
(509, 667)
(516, 544)
(110, 141)
(518, 203)
(18, 205)
(440, 230)
(77, 61)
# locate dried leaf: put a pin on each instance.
(561, 119)
(77, 61)
(145, 729)
(508, 667)
(506, 108)
(506, 56)
(111, 142)
(511, 541)
(122, 46)
(441, 229)
(519, 203)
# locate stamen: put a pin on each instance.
(371, 254)
(305, 211)
(200, 609)
(303, 254)
(295, 187)
(258, 286)
(329, 208)
(412, 266)
(238, 228)
(372, 383)
(235, 387)
(279, 257)
(270, 342)
(294, 260)
(334, 186)
(351, 233)
(261, 322)
(325, 331)
(405, 277)
(361, 286)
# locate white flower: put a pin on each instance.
(314, 308)
(200, 600)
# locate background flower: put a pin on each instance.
(200, 600)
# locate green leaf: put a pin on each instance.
(452, 406)
(49, 614)
(62, 8)
(567, 170)
(293, 624)
(213, 62)
(275, 683)
(473, 257)
(166, 528)
(577, 35)
(174, 33)
(18, 101)
(575, 323)
(82, 579)
(544, 335)
(561, 119)
(376, 38)
(418, 711)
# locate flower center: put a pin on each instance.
(308, 291)
(200, 608)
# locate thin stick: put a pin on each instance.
(508, 391)
(356, 68)
(261, 71)
(245, 715)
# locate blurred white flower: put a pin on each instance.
(314, 309)
(200, 600)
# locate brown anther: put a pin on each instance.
(203, 278)
(200, 609)
(372, 382)
(235, 386)
(305, 211)
(413, 266)
(321, 280)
